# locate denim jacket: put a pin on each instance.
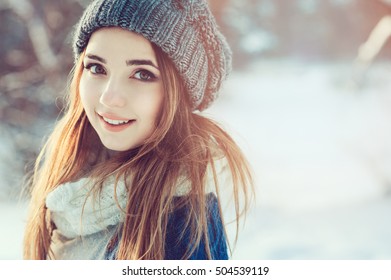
(175, 248)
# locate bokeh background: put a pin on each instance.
(309, 101)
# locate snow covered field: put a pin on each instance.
(321, 152)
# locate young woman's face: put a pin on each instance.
(121, 87)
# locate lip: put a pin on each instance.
(111, 127)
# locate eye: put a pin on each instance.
(144, 75)
(96, 69)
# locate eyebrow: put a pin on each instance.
(141, 62)
(95, 57)
(130, 62)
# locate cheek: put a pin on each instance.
(85, 90)
(155, 105)
(147, 101)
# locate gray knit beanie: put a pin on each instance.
(184, 29)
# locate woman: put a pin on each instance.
(132, 169)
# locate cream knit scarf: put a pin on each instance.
(75, 212)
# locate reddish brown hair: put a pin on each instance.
(184, 143)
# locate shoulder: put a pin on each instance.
(177, 238)
(177, 243)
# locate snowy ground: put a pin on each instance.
(321, 152)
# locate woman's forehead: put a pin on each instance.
(121, 42)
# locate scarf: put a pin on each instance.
(76, 212)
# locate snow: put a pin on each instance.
(321, 152)
(12, 221)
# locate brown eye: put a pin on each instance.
(144, 75)
(96, 69)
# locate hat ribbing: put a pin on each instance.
(184, 29)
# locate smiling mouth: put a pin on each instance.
(115, 122)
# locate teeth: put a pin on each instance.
(115, 122)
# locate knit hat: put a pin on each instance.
(184, 29)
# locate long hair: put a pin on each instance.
(184, 143)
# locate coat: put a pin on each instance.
(175, 248)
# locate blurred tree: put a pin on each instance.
(36, 59)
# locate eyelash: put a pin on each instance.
(90, 65)
(151, 77)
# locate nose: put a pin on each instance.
(112, 95)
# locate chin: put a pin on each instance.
(119, 147)
(116, 148)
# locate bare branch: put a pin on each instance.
(37, 32)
